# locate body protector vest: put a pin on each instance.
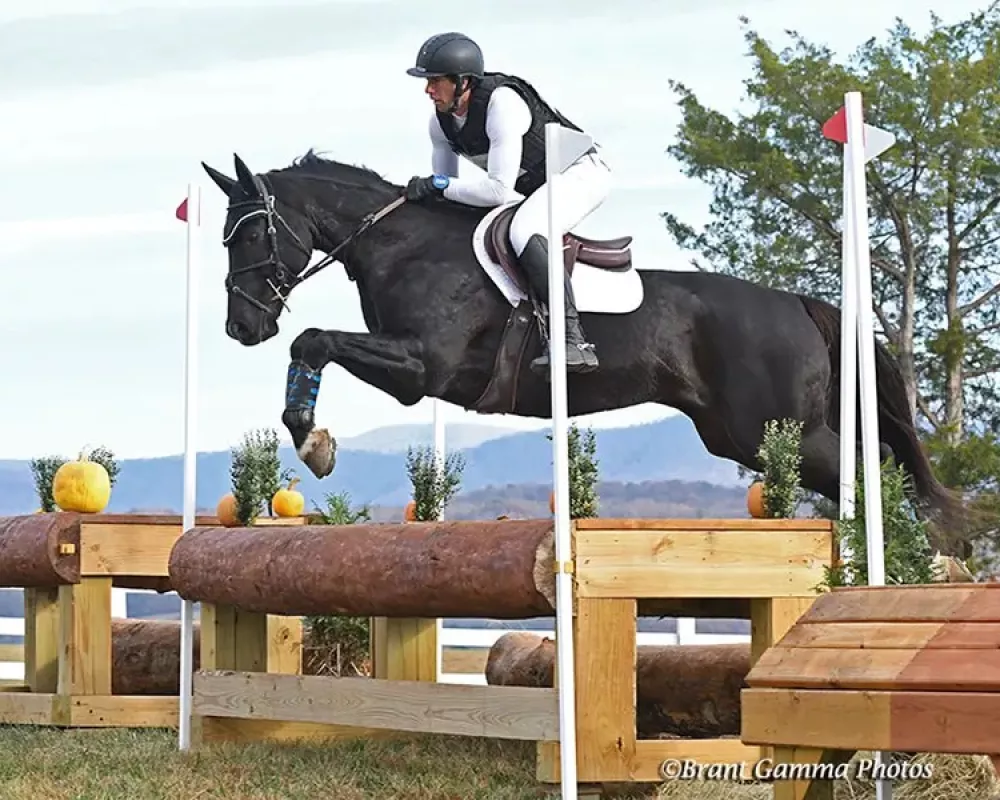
(472, 142)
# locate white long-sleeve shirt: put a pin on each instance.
(507, 120)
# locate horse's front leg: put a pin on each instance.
(389, 363)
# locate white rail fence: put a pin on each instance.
(448, 635)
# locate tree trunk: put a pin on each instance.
(954, 350)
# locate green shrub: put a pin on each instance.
(781, 457)
(908, 553)
(337, 644)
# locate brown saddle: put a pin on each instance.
(609, 254)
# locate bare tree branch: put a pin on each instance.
(985, 297)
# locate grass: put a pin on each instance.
(49, 764)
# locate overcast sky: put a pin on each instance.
(108, 107)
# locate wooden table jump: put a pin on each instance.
(67, 565)
(912, 669)
(769, 570)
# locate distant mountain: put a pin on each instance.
(396, 438)
(666, 450)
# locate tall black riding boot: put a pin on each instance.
(580, 354)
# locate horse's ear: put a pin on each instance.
(224, 182)
(245, 177)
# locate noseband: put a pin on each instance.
(286, 278)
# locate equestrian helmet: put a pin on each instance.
(448, 54)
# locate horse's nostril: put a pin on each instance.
(235, 329)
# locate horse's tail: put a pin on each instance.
(896, 426)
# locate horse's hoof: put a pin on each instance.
(318, 452)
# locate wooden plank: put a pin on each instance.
(922, 722)
(126, 549)
(825, 719)
(27, 709)
(502, 712)
(893, 635)
(124, 711)
(672, 524)
(692, 563)
(605, 679)
(945, 722)
(902, 669)
(201, 520)
(13, 686)
(940, 602)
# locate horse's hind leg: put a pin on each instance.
(820, 470)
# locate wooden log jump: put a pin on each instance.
(911, 669)
(81, 667)
(767, 569)
(490, 569)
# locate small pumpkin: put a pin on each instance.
(82, 485)
(288, 502)
(226, 512)
(755, 500)
(410, 512)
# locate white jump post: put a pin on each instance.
(439, 456)
(563, 146)
(189, 211)
(862, 144)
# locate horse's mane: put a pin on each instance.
(313, 165)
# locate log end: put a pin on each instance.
(39, 550)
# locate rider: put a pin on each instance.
(497, 122)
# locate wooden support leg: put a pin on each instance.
(605, 631)
(85, 626)
(404, 649)
(770, 619)
(284, 645)
(41, 640)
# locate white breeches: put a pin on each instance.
(582, 189)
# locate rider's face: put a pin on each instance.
(441, 91)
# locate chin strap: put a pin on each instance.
(459, 91)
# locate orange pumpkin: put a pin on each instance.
(755, 500)
(410, 512)
(288, 502)
(226, 512)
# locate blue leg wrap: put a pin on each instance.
(302, 387)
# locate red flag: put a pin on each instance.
(836, 127)
(182, 211)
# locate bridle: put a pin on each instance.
(287, 279)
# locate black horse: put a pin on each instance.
(729, 354)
